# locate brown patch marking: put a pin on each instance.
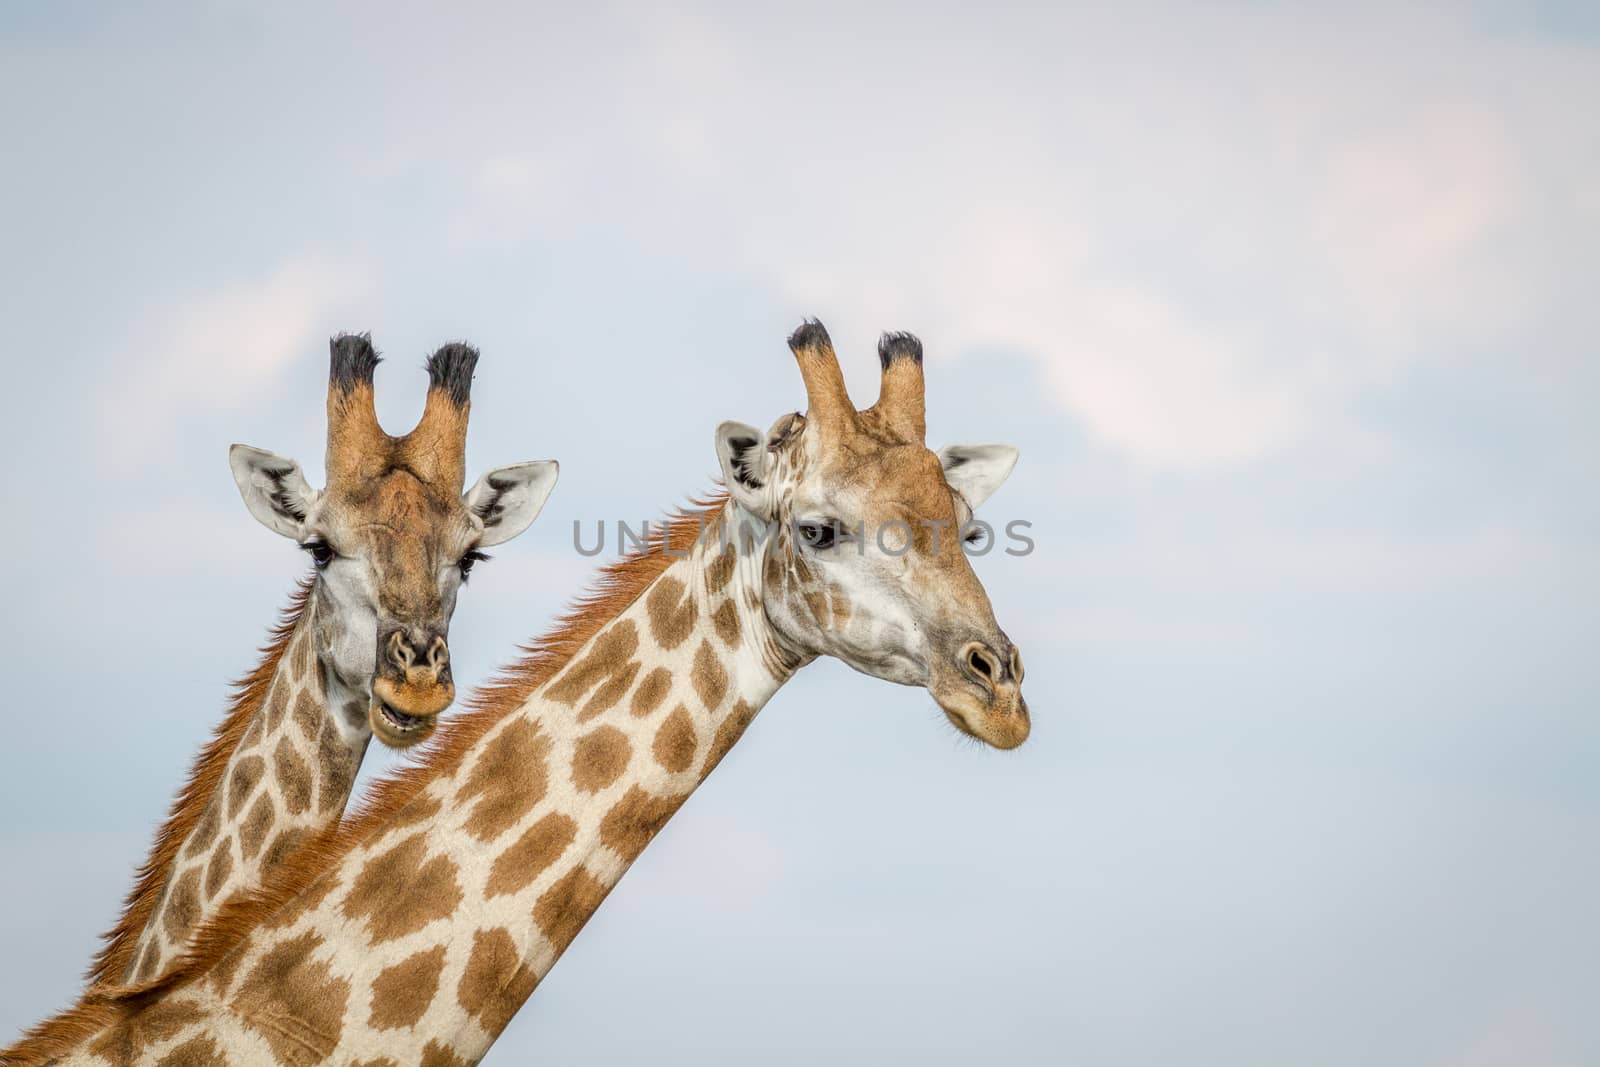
(675, 741)
(401, 993)
(243, 782)
(509, 777)
(307, 714)
(840, 605)
(253, 831)
(293, 775)
(220, 866)
(726, 621)
(496, 981)
(437, 1055)
(127, 1041)
(420, 810)
(599, 758)
(672, 613)
(728, 734)
(402, 890)
(710, 678)
(540, 846)
(277, 705)
(635, 820)
(818, 606)
(338, 770)
(719, 572)
(610, 693)
(651, 692)
(198, 1051)
(294, 1002)
(205, 831)
(183, 906)
(610, 654)
(282, 845)
(562, 909)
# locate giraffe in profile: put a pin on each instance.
(417, 932)
(361, 649)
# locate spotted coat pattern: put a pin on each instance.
(422, 943)
(288, 779)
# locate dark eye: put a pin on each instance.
(820, 535)
(466, 562)
(974, 536)
(321, 553)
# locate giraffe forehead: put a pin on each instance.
(879, 484)
(398, 519)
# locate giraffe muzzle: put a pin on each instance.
(412, 686)
(982, 695)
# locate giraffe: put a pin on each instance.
(391, 539)
(415, 932)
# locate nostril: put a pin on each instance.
(400, 653)
(438, 654)
(1016, 665)
(980, 663)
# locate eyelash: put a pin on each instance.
(466, 562)
(320, 551)
(821, 536)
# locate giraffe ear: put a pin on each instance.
(508, 499)
(274, 489)
(976, 471)
(742, 452)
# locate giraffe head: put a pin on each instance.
(864, 529)
(392, 536)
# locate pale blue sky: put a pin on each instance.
(1290, 310)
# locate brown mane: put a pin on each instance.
(248, 694)
(618, 585)
(204, 777)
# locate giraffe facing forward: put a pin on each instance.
(416, 933)
(362, 646)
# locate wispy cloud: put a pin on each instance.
(1205, 268)
(217, 351)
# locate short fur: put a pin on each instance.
(617, 587)
(206, 775)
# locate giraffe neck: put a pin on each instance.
(279, 771)
(423, 938)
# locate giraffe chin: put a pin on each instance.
(397, 729)
(1001, 723)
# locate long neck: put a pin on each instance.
(445, 913)
(279, 770)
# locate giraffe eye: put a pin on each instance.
(321, 553)
(466, 562)
(820, 535)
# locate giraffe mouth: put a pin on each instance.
(400, 720)
(399, 729)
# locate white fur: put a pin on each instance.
(519, 491)
(976, 471)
